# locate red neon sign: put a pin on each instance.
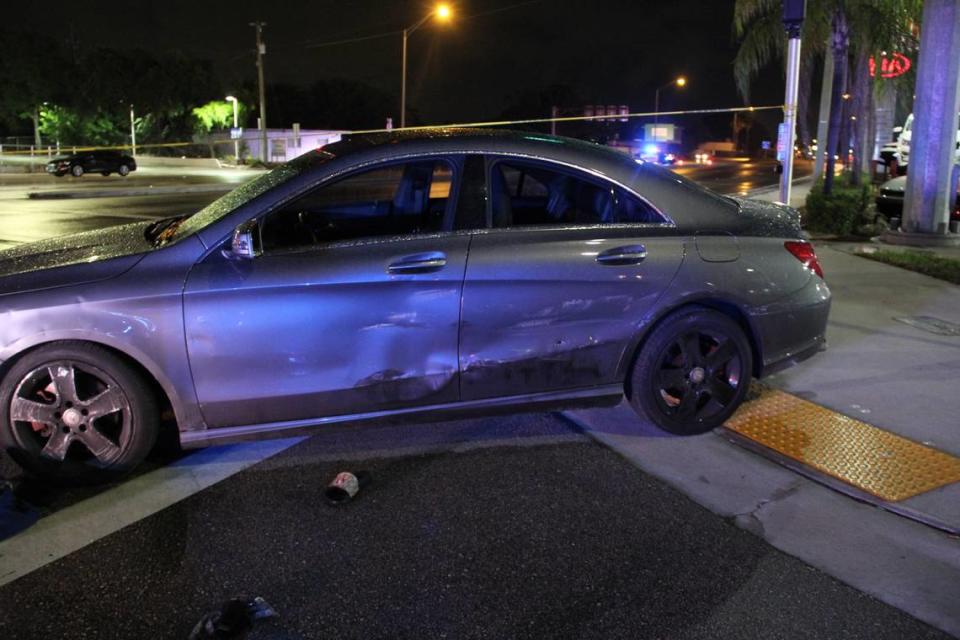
(896, 64)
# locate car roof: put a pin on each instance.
(682, 201)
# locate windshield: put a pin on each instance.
(242, 195)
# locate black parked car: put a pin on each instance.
(102, 162)
(890, 199)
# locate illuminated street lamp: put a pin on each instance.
(443, 13)
(236, 123)
(680, 82)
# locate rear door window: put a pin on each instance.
(526, 193)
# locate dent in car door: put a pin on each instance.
(325, 332)
(335, 327)
(542, 313)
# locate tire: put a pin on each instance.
(123, 170)
(692, 372)
(76, 170)
(76, 412)
(104, 173)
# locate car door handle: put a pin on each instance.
(633, 254)
(419, 263)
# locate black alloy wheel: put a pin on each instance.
(692, 372)
(76, 411)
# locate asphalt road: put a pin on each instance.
(23, 219)
(740, 175)
(564, 540)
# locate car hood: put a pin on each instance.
(767, 219)
(897, 184)
(73, 259)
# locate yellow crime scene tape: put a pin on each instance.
(458, 125)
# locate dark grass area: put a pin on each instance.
(926, 263)
(554, 541)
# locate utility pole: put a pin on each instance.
(794, 12)
(261, 50)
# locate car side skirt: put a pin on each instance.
(603, 395)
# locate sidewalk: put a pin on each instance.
(877, 369)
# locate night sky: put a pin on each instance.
(608, 51)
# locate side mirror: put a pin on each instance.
(245, 243)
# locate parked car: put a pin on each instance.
(890, 198)
(403, 274)
(102, 162)
(903, 146)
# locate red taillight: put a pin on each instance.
(803, 251)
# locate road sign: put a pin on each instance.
(236, 133)
(781, 141)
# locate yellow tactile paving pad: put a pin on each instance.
(871, 459)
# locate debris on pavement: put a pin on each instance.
(233, 620)
(346, 485)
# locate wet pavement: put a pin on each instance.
(495, 540)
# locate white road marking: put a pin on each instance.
(81, 524)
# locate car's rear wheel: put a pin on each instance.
(76, 412)
(124, 170)
(692, 372)
(76, 170)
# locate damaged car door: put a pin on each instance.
(349, 303)
(558, 286)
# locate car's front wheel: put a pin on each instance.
(124, 170)
(76, 170)
(692, 371)
(76, 412)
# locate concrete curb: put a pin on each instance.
(775, 188)
(133, 191)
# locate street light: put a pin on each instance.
(679, 81)
(133, 133)
(443, 13)
(236, 123)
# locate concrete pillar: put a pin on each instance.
(934, 138)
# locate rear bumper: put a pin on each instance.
(792, 329)
(888, 205)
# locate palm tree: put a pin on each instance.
(853, 29)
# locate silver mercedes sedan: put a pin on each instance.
(406, 274)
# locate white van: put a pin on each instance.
(903, 145)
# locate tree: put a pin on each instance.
(33, 70)
(853, 29)
(217, 114)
